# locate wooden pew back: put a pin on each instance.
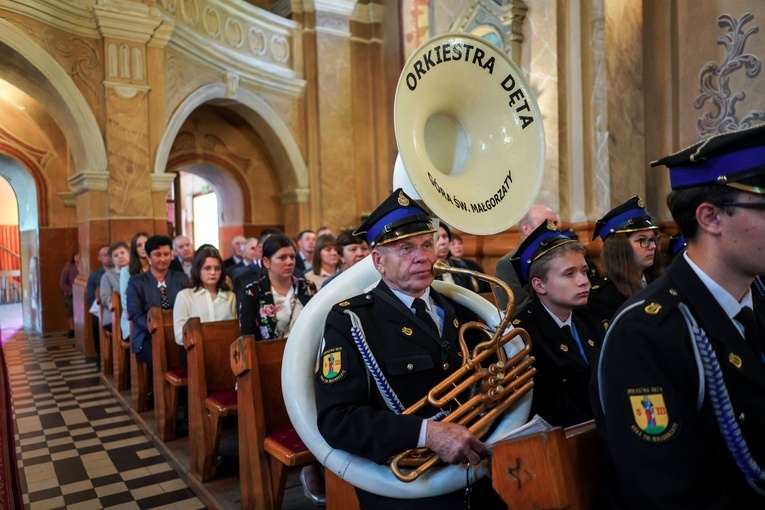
(120, 348)
(168, 365)
(211, 390)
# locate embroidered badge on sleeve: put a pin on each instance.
(652, 420)
(332, 365)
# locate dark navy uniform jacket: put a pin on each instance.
(605, 299)
(665, 449)
(561, 384)
(352, 414)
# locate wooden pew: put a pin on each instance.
(212, 396)
(120, 348)
(105, 338)
(558, 468)
(268, 444)
(140, 381)
(169, 372)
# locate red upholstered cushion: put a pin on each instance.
(286, 436)
(224, 397)
(179, 372)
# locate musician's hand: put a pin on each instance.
(454, 443)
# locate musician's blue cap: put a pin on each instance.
(397, 218)
(735, 159)
(541, 241)
(676, 245)
(627, 217)
(569, 232)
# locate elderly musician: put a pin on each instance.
(412, 333)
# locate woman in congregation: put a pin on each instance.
(443, 241)
(271, 305)
(629, 257)
(208, 297)
(326, 261)
(139, 263)
(351, 250)
(269, 309)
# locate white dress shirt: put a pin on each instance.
(198, 303)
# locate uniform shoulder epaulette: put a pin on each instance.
(355, 302)
(658, 304)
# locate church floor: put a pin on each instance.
(76, 446)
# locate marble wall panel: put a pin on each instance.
(626, 127)
(698, 32)
(182, 77)
(336, 174)
(127, 145)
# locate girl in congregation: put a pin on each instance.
(209, 295)
(326, 261)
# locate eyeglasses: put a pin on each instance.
(212, 269)
(757, 206)
(646, 242)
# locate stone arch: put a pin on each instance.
(289, 162)
(32, 69)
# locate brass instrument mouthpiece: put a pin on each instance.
(440, 268)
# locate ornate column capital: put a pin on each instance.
(129, 21)
(295, 196)
(88, 181)
(162, 182)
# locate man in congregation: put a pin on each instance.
(412, 332)
(185, 254)
(306, 241)
(536, 215)
(156, 287)
(680, 389)
(94, 280)
(236, 253)
(250, 270)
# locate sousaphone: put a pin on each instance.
(471, 139)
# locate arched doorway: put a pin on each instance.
(22, 185)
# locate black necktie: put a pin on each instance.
(746, 318)
(423, 315)
(165, 301)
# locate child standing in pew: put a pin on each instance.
(208, 295)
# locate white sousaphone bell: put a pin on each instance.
(471, 141)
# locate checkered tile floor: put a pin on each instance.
(77, 447)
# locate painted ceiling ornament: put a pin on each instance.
(714, 80)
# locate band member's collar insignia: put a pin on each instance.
(564, 347)
(516, 322)
(344, 303)
(403, 200)
(590, 342)
(653, 309)
(605, 325)
(407, 331)
(595, 287)
(456, 323)
(735, 360)
(651, 414)
(332, 369)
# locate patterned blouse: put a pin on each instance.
(257, 311)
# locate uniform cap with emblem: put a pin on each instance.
(676, 244)
(541, 241)
(735, 159)
(396, 218)
(627, 217)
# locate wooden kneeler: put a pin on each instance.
(212, 396)
(268, 444)
(104, 338)
(140, 381)
(169, 372)
(558, 468)
(120, 347)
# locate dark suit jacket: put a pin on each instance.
(561, 385)
(176, 265)
(230, 270)
(604, 301)
(230, 262)
(299, 271)
(684, 462)
(142, 294)
(242, 277)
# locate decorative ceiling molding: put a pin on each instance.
(74, 17)
(129, 21)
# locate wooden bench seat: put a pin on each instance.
(212, 396)
(268, 444)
